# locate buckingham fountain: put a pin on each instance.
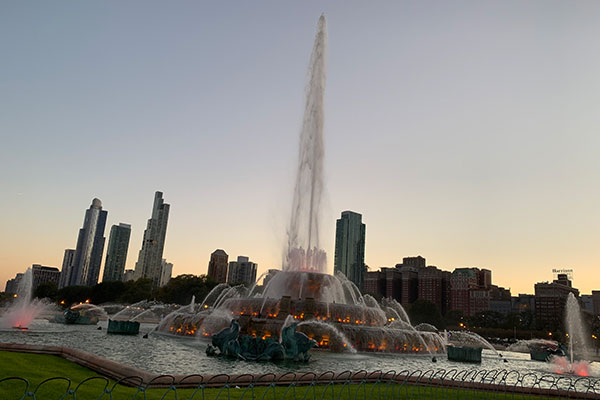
(327, 308)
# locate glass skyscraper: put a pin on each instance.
(116, 256)
(149, 264)
(90, 246)
(67, 267)
(350, 247)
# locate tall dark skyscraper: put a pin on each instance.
(67, 267)
(350, 247)
(116, 256)
(217, 266)
(149, 261)
(90, 246)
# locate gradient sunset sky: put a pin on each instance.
(465, 131)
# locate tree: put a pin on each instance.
(74, 294)
(181, 289)
(135, 291)
(46, 291)
(108, 292)
(424, 311)
(453, 318)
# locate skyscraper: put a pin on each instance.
(129, 275)
(90, 246)
(149, 261)
(166, 270)
(67, 266)
(116, 255)
(217, 266)
(350, 247)
(242, 272)
(43, 274)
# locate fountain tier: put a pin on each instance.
(328, 308)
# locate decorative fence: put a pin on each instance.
(427, 384)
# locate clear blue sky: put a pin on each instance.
(464, 131)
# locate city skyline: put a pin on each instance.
(165, 273)
(470, 140)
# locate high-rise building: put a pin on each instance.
(500, 300)
(116, 255)
(270, 275)
(523, 303)
(479, 301)
(242, 272)
(374, 284)
(587, 303)
(550, 301)
(129, 275)
(414, 262)
(166, 270)
(67, 267)
(393, 283)
(149, 261)
(434, 286)
(410, 284)
(462, 281)
(217, 266)
(596, 301)
(90, 246)
(43, 274)
(12, 285)
(350, 247)
(484, 278)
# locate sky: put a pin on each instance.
(463, 131)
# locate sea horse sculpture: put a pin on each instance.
(226, 340)
(295, 345)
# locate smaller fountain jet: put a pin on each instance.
(25, 309)
(578, 346)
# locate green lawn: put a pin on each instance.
(38, 367)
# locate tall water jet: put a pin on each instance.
(578, 343)
(578, 337)
(24, 309)
(328, 308)
(303, 247)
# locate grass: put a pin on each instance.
(38, 367)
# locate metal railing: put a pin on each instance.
(362, 385)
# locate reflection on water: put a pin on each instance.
(174, 355)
